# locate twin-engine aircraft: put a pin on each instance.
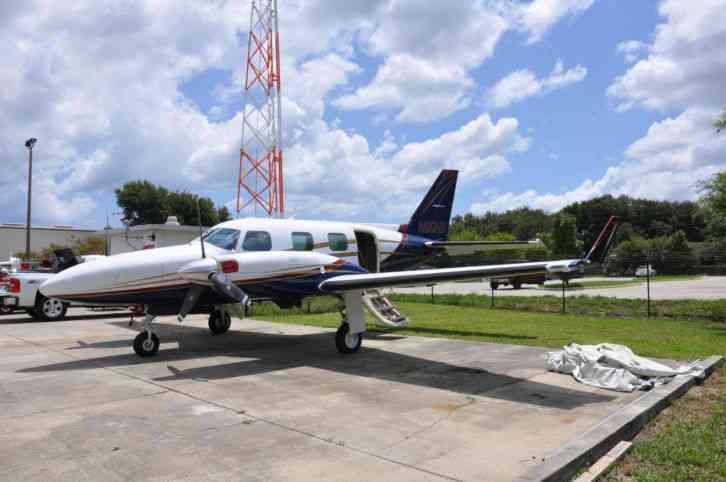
(288, 260)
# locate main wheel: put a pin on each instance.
(517, 285)
(345, 341)
(219, 324)
(5, 310)
(49, 309)
(143, 346)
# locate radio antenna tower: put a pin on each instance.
(260, 163)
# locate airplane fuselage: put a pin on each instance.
(282, 260)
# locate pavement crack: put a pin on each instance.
(450, 409)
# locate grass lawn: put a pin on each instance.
(666, 338)
(598, 306)
(584, 283)
(687, 441)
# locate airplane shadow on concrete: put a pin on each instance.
(19, 318)
(269, 352)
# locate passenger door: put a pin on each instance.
(368, 256)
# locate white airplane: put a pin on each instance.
(277, 259)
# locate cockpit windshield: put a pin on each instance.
(224, 238)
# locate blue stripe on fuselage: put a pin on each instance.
(410, 253)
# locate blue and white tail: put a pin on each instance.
(432, 217)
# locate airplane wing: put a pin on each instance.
(471, 247)
(356, 282)
(430, 276)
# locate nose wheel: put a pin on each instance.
(146, 344)
(219, 322)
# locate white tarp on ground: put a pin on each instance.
(614, 367)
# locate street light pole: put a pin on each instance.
(30, 143)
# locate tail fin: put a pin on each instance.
(431, 218)
(600, 248)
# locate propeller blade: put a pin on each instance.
(227, 288)
(190, 300)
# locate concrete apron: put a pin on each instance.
(268, 401)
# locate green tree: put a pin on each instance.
(464, 235)
(501, 236)
(146, 203)
(223, 214)
(714, 205)
(142, 203)
(563, 238)
(720, 124)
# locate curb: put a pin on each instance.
(623, 425)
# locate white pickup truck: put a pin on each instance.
(21, 291)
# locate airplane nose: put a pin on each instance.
(60, 284)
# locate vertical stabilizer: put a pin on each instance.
(432, 217)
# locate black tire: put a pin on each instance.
(5, 310)
(31, 313)
(494, 284)
(346, 343)
(142, 347)
(49, 309)
(517, 285)
(219, 325)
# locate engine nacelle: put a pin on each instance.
(262, 264)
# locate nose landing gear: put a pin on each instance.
(219, 322)
(146, 343)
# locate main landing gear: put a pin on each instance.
(347, 342)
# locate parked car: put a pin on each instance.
(643, 271)
(21, 291)
(4, 280)
(517, 281)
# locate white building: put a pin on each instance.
(12, 237)
(149, 236)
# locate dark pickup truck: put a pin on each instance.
(517, 281)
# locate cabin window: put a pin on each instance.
(302, 241)
(223, 238)
(257, 241)
(337, 241)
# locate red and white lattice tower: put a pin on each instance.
(260, 183)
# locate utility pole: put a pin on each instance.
(30, 143)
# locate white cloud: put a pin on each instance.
(103, 88)
(522, 84)
(424, 91)
(538, 16)
(424, 75)
(365, 181)
(684, 68)
(687, 61)
(666, 163)
(632, 49)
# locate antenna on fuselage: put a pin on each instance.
(199, 221)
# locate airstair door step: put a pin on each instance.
(383, 310)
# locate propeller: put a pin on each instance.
(225, 287)
(201, 273)
(190, 300)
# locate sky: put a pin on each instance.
(537, 103)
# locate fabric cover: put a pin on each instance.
(615, 367)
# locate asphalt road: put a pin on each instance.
(704, 288)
